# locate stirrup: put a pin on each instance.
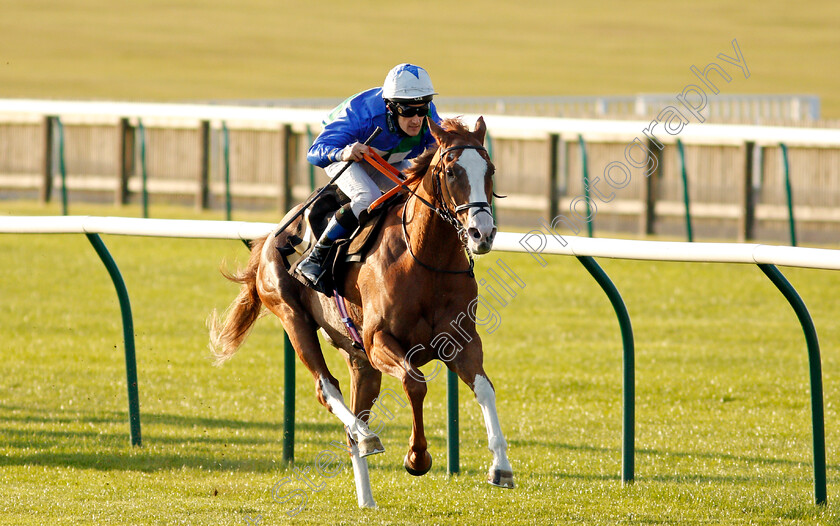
(313, 267)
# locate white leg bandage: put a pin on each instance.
(486, 397)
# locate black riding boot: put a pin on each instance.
(313, 267)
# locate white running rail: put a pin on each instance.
(536, 242)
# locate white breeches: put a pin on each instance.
(362, 183)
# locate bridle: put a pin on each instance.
(448, 212)
(482, 206)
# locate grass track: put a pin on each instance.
(210, 49)
(723, 432)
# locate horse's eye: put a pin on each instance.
(450, 173)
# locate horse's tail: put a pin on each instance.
(242, 313)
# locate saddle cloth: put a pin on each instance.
(354, 249)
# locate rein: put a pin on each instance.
(446, 214)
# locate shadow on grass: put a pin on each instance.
(99, 440)
(45, 436)
(688, 478)
(50, 437)
(140, 461)
(70, 416)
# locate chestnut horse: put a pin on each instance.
(413, 291)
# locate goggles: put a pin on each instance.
(404, 110)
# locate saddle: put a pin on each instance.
(353, 249)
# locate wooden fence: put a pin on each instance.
(735, 173)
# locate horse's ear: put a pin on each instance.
(437, 131)
(480, 130)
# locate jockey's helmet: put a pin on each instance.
(408, 84)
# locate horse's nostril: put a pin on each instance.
(474, 233)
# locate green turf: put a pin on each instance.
(723, 419)
(216, 49)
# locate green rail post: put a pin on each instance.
(288, 401)
(144, 192)
(585, 168)
(288, 395)
(226, 155)
(629, 378)
(815, 372)
(554, 145)
(128, 337)
(453, 463)
(688, 231)
(62, 167)
(789, 191)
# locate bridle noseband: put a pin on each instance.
(449, 211)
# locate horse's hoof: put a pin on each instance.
(418, 472)
(501, 478)
(370, 445)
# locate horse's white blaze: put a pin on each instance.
(486, 397)
(364, 493)
(335, 401)
(476, 168)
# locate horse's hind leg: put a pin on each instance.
(301, 329)
(277, 293)
(467, 365)
(364, 387)
(361, 440)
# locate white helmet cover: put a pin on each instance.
(408, 83)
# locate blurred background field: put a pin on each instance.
(261, 49)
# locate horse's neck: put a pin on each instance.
(434, 241)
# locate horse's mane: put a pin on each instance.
(418, 168)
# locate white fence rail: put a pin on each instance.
(743, 107)
(500, 126)
(536, 242)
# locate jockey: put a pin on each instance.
(400, 108)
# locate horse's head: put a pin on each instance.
(464, 180)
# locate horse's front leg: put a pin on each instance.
(501, 473)
(469, 368)
(388, 356)
(418, 460)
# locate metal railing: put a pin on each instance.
(585, 249)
